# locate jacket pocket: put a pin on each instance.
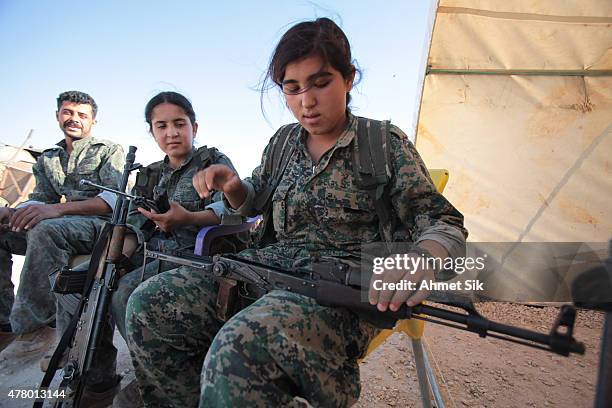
(346, 209)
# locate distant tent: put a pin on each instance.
(16, 178)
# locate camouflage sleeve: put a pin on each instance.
(43, 190)
(217, 205)
(110, 173)
(418, 204)
(255, 184)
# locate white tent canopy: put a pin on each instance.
(517, 104)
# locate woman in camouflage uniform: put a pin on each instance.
(172, 123)
(285, 349)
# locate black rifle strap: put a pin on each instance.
(97, 253)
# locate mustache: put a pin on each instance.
(71, 123)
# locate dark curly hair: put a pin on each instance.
(321, 37)
(174, 98)
(77, 97)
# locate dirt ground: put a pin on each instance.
(475, 372)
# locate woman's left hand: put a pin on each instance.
(176, 216)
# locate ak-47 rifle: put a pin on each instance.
(96, 286)
(336, 288)
(161, 206)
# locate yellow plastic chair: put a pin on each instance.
(414, 329)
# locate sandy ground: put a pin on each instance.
(471, 372)
(475, 372)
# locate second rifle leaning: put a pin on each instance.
(96, 285)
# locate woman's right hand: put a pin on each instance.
(220, 177)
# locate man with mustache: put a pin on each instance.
(61, 219)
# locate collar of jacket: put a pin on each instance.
(78, 144)
(346, 137)
(184, 163)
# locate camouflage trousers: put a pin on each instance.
(281, 350)
(47, 247)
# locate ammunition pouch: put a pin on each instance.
(147, 179)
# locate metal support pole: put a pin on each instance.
(419, 358)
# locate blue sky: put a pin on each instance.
(215, 53)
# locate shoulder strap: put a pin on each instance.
(371, 167)
(202, 157)
(276, 164)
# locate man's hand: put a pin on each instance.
(26, 218)
(176, 216)
(410, 278)
(216, 177)
(5, 215)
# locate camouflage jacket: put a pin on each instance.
(177, 185)
(58, 174)
(318, 207)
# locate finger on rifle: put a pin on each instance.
(384, 296)
(373, 293)
(400, 296)
(23, 218)
(417, 297)
(149, 214)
